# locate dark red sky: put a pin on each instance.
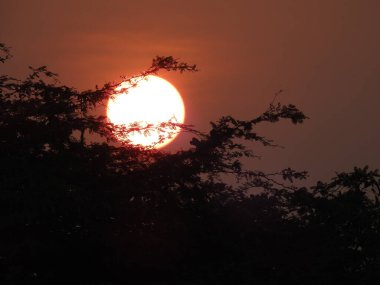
(324, 53)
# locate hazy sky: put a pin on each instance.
(324, 54)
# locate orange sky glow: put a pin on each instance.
(323, 54)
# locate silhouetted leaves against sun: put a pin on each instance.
(77, 210)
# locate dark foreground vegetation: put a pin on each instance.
(75, 211)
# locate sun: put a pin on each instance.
(148, 107)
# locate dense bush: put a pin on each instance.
(75, 211)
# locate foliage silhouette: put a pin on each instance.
(75, 211)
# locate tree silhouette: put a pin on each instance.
(76, 211)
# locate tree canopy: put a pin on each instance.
(81, 211)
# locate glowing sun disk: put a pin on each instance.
(144, 102)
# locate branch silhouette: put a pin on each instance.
(80, 211)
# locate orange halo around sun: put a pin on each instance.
(147, 101)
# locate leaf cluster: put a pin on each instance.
(81, 211)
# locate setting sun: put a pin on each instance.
(147, 104)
